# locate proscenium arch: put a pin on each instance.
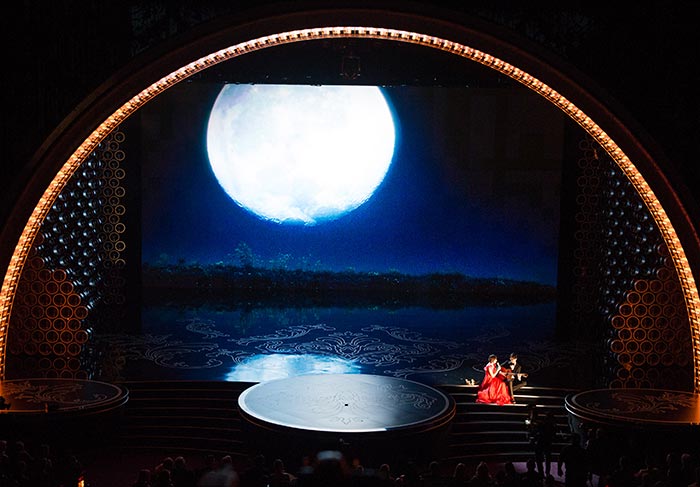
(410, 36)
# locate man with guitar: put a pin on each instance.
(514, 375)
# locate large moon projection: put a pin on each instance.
(296, 154)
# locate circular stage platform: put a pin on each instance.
(653, 417)
(351, 409)
(636, 407)
(65, 411)
(60, 396)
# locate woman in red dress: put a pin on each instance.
(494, 389)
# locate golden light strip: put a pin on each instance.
(31, 229)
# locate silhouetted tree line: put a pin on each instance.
(252, 286)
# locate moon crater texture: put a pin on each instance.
(297, 154)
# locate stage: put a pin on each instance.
(27, 397)
(63, 409)
(646, 417)
(341, 411)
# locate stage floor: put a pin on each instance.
(434, 347)
(345, 403)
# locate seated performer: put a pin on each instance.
(493, 389)
(515, 376)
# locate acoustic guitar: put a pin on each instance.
(508, 374)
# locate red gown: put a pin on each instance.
(493, 390)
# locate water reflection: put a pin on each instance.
(259, 368)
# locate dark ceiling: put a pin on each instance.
(353, 61)
(56, 53)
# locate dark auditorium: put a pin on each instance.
(350, 244)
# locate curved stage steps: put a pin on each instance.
(203, 417)
(184, 416)
(499, 433)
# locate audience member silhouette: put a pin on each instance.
(18, 468)
(305, 472)
(257, 474)
(623, 475)
(649, 471)
(482, 476)
(460, 476)
(279, 476)
(384, 477)
(531, 477)
(5, 464)
(143, 479)
(674, 470)
(601, 455)
(20, 454)
(410, 476)
(357, 472)
(510, 475)
(331, 469)
(209, 466)
(166, 464)
(21, 475)
(499, 478)
(223, 476)
(573, 459)
(70, 469)
(696, 479)
(543, 432)
(433, 477)
(181, 475)
(43, 468)
(41, 472)
(162, 478)
(688, 465)
(645, 480)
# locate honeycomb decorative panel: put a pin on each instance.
(73, 283)
(625, 287)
